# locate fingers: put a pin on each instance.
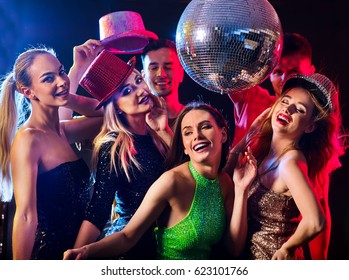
(249, 157)
(66, 255)
(72, 255)
(163, 103)
(79, 257)
(156, 100)
(160, 105)
(240, 161)
(92, 44)
(89, 49)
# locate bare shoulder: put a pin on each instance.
(293, 162)
(27, 141)
(174, 179)
(292, 157)
(177, 175)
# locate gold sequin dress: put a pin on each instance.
(272, 219)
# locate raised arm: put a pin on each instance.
(24, 166)
(244, 174)
(294, 174)
(88, 125)
(83, 55)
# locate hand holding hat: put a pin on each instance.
(84, 54)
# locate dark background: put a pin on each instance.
(64, 24)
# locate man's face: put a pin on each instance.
(292, 64)
(162, 71)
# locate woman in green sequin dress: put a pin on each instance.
(195, 204)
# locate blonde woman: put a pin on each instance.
(128, 151)
(50, 182)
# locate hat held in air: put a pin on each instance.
(123, 32)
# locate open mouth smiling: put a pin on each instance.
(200, 146)
(284, 119)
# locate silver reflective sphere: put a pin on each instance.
(229, 45)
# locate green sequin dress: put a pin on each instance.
(193, 237)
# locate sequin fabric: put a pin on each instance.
(204, 225)
(129, 195)
(62, 196)
(272, 219)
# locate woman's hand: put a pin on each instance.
(283, 254)
(157, 118)
(86, 53)
(246, 170)
(83, 56)
(76, 254)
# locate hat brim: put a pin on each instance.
(132, 63)
(311, 86)
(132, 42)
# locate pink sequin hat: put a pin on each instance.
(123, 32)
(105, 75)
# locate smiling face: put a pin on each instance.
(49, 81)
(162, 71)
(133, 97)
(202, 137)
(293, 114)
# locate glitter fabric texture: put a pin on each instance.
(318, 85)
(128, 195)
(62, 196)
(273, 218)
(204, 225)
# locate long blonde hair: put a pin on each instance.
(14, 109)
(122, 151)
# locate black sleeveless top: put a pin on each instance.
(62, 196)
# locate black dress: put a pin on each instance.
(128, 195)
(62, 197)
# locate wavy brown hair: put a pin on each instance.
(176, 155)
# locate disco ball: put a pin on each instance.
(229, 45)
